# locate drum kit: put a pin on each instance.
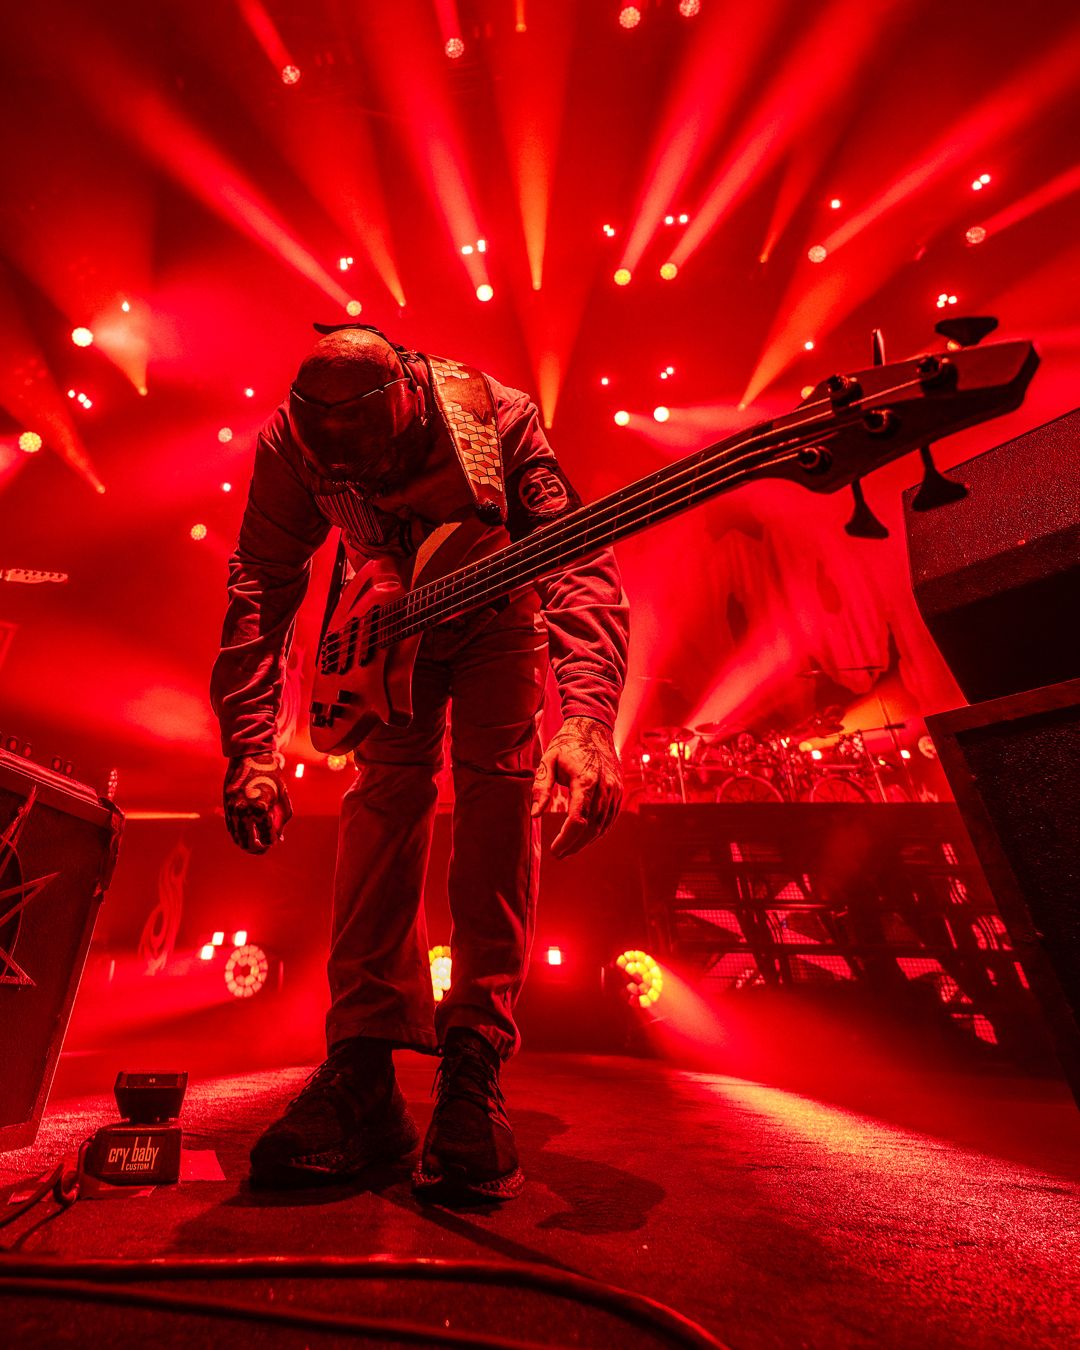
(817, 761)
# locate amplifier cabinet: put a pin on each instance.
(58, 845)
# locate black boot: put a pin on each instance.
(469, 1153)
(349, 1115)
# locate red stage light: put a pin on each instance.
(622, 276)
(806, 391)
(240, 937)
(604, 381)
(226, 487)
(484, 292)
(669, 271)
(125, 306)
(609, 230)
(835, 203)
(218, 939)
(808, 345)
(818, 253)
(553, 956)
(206, 952)
(225, 435)
(353, 307)
(661, 414)
(198, 532)
(455, 48)
(298, 772)
(290, 74)
(684, 219)
(975, 235)
(82, 337)
(622, 417)
(629, 16)
(344, 264)
(336, 762)
(689, 9)
(30, 442)
(249, 393)
(246, 971)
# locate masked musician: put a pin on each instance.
(387, 445)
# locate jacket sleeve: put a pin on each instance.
(583, 604)
(268, 577)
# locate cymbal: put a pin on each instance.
(668, 734)
(819, 726)
(714, 729)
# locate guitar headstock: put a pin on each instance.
(853, 424)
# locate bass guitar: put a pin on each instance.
(849, 426)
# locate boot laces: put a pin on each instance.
(466, 1073)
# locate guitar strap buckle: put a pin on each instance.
(467, 408)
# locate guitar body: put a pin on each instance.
(360, 686)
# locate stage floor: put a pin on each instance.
(941, 1212)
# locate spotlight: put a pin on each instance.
(808, 345)
(629, 16)
(225, 435)
(818, 253)
(218, 939)
(226, 487)
(669, 220)
(206, 952)
(353, 307)
(669, 271)
(684, 219)
(441, 963)
(82, 337)
(670, 370)
(661, 414)
(815, 754)
(644, 978)
(30, 442)
(466, 249)
(344, 264)
(835, 203)
(646, 758)
(240, 937)
(689, 9)
(905, 754)
(604, 381)
(622, 417)
(125, 306)
(246, 971)
(622, 276)
(553, 956)
(298, 772)
(336, 762)
(484, 292)
(481, 246)
(609, 230)
(198, 532)
(290, 74)
(806, 391)
(455, 48)
(975, 235)
(249, 392)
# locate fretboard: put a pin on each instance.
(657, 497)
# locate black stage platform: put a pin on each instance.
(939, 1210)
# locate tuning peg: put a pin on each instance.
(967, 330)
(936, 489)
(863, 523)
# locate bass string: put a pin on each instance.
(398, 620)
(387, 633)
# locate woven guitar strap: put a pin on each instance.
(465, 403)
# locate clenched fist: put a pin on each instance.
(257, 806)
(582, 757)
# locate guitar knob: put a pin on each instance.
(863, 523)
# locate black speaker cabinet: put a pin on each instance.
(997, 575)
(58, 846)
(1014, 767)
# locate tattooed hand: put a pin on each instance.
(582, 757)
(257, 806)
